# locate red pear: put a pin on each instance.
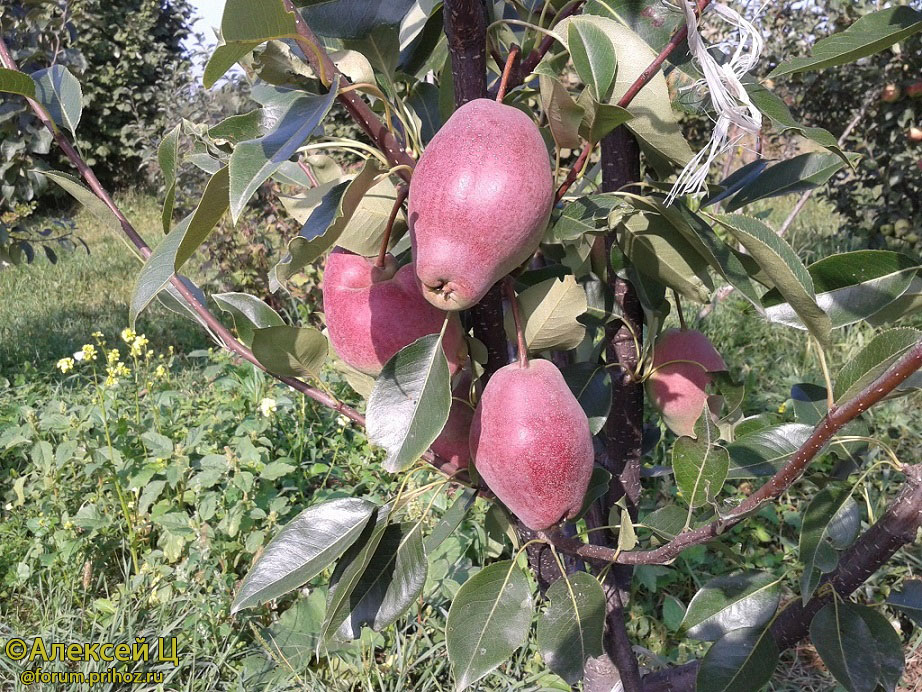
(532, 444)
(891, 93)
(373, 312)
(479, 202)
(679, 390)
(454, 443)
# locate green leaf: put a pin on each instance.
(850, 287)
(804, 172)
(599, 482)
(390, 583)
(255, 160)
(224, 57)
(488, 620)
(783, 268)
(291, 351)
(302, 549)
(659, 251)
(745, 599)
(673, 613)
(873, 360)
(350, 570)
(599, 119)
(16, 82)
(563, 114)
(88, 199)
(549, 310)
(840, 636)
(244, 20)
(890, 659)
(653, 21)
(593, 57)
(354, 18)
(830, 521)
(774, 107)
(765, 451)
(654, 122)
(451, 520)
(627, 538)
(168, 158)
(249, 313)
(179, 244)
(870, 34)
(60, 94)
(700, 465)
(239, 128)
(591, 385)
(586, 214)
(326, 223)
(666, 522)
(909, 600)
(743, 659)
(409, 405)
(570, 630)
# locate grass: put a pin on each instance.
(47, 311)
(208, 479)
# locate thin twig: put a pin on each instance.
(510, 65)
(402, 192)
(517, 320)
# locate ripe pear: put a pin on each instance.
(679, 390)
(532, 444)
(891, 93)
(479, 202)
(373, 312)
(454, 442)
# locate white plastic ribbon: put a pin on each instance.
(729, 99)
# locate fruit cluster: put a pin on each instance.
(479, 201)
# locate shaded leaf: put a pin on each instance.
(591, 385)
(741, 659)
(830, 520)
(593, 57)
(804, 172)
(451, 519)
(16, 82)
(563, 114)
(291, 351)
(700, 465)
(168, 158)
(837, 632)
(890, 659)
(909, 600)
(570, 630)
(765, 451)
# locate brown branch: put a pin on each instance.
(360, 111)
(511, 62)
(897, 527)
(834, 421)
(533, 58)
(208, 318)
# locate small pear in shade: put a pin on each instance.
(678, 390)
(532, 444)
(479, 202)
(454, 442)
(372, 312)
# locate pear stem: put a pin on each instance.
(517, 319)
(402, 192)
(678, 309)
(510, 64)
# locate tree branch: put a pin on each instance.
(834, 421)
(360, 111)
(897, 527)
(227, 339)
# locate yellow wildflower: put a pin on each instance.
(113, 356)
(160, 372)
(783, 408)
(268, 406)
(65, 364)
(128, 335)
(137, 346)
(88, 352)
(96, 335)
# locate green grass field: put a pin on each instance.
(134, 510)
